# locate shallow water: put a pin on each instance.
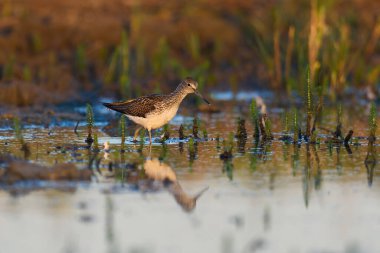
(272, 197)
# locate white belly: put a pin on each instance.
(153, 121)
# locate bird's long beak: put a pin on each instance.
(200, 193)
(200, 95)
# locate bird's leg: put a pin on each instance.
(136, 134)
(150, 136)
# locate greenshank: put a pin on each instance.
(154, 111)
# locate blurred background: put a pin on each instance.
(54, 52)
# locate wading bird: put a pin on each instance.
(154, 111)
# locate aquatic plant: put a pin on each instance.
(264, 50)
(195, 127)
(268, 127)
(119, 66)
(18, 135)
(27, 74)
(230, 143)
(276, 49)
(228, 167)
(122, 132)
(285, 122)
(217, 139)
(338, 131)
(241, 132)
(181, 132)
(124, 78)
(192, 146)
(265, 127)
(180, 147)
(370, 160)
(166, 134)
(141, 141)
(164, 152)
(317, 30)
(111, 72)
(255, 118)
(295, 158)
(9, 68)
(96, 143)
(262, 126)
(288, 59)
(308, 103)
(90, 123)
(194, 46)
(372, 121)
(227, 147)
(140, 58)
(205, 134)
(80, 62)
(36, 44)
(338, 58)
(17, 130)
(296, 128)
(317, 115)
(161, 57)
(253, 161)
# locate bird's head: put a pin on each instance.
(189, 85)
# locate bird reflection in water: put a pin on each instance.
(162, 173)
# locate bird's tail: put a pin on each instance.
(119, 107)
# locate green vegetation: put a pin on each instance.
(122, 132)
(195, 127)
(268, 127)
(36, 43)
(372, 121)
(205, 133)
(27, 74)
(241, 132)
(308, 104)
(142, 141)
(166, 134)
(9, 68)
(18, 135)
(96, 143)
(80, 62)
(181, 132)
(255, 118)
(119, 67)
(192, 146)
(17, 129)
(90, 123)
(296, 128)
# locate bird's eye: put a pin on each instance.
(188, 84)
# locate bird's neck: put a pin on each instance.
(178, 95)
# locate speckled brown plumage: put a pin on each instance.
(137, 107)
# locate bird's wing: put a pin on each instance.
(136, 107)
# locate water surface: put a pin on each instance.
(270, 197)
